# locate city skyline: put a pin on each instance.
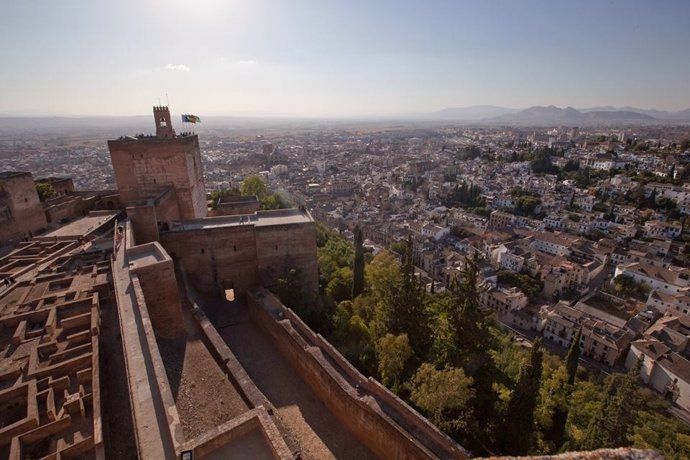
(314, 59)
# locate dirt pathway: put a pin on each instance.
(203, 395)
(320, 434)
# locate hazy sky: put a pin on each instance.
(346, 57)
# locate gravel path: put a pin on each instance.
(203, 395)
(319, 433)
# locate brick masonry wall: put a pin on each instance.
(145, 167)
(236, 209)
(144, 223)
(216, 258)
(26, 209)
(280, 248)
(159, 285)
(68, 210)
(166, 207)
(244, 257)
(362, 415)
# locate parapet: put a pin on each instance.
(6, 175)
(150, 139)
(146, 255)
(622, 453)
(378, 418)
(258, 219)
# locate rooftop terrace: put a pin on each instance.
(258, 219)
(83, 226)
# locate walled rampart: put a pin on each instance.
(65, 208)
(378, 418)
(20, 209)
(244, 252)
(257, 418)
(156, 422)
(225, 434)
(282, 247)
(216, 257)
(145, 167)
(156, 274)
(236, 206)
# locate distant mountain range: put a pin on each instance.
(472, 113)
(477, 114)
(540, 115)
(659, 114)
(570, 116)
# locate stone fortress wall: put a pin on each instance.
(381, 420)
(21, 211)
(145, 166)
(243, 252)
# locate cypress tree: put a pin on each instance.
(358, 267)
(467, 320)
(573, 357)
(560, 416)
(470, 349)
(651, 201)
(519, 422)
(406, 311)
(612, 424)
(597, 435)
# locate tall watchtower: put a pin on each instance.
(146, 166)
(164, 129)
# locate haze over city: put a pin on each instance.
(320, 230)
(344, 59)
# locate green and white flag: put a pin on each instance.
(190, 119)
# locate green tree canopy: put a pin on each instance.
(352, 337)
(519, 427)
(254, 185)
(556, 433)
(469, 346)
(381, 276)
(444, 395)
(358, 265)
(333, 252)
(401, 307)
(627, 286)
(612, 424)
(339, 288)
(45, 191)
(393, 352)
(528, 285)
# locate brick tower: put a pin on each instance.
(164, 129)
(148, 166)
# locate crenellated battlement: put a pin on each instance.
(161, 116)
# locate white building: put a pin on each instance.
(557, 244)
(660, 229)
(667, 280)
(663, 369)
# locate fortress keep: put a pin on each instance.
(161, 182)
(148, 166)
